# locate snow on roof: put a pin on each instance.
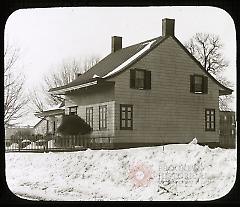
(28, 121)
(54, 107)
(131, 59)
(95, 76)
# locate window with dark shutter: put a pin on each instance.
(198, 84)
(140, 79)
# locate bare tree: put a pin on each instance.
(207, 49)
(14, 98)
(90, 62)
(66, 73)
(36, 102)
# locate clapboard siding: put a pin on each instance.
(168, 112)
(88, 96)
(94, 98)
(41, 128)
(110, 118)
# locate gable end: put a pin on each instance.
(225, 91)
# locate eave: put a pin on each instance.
(63, 89)
(99, 82)
(50, 113)
(224, 90)
(228, 91)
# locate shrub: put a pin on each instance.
(73, 125)
(21, 134)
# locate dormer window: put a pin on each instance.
(198, 84)
(140, 79)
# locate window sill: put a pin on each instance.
(126, 128)
(142, 89)
(199, 93)
(103, 129)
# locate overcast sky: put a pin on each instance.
(48, 36)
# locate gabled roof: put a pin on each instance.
(53, 110)
(113, 63)
(225, 90)
(117, 61)
(42, 119)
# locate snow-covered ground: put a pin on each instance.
(170, 172)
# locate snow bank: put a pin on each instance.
(172, 172)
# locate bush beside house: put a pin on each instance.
(73, 125)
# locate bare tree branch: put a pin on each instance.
(36, 100)
(206, 48)
(14, 98)
(66, 73)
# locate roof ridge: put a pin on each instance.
(143, 42)
(120, 51)
(123, 54)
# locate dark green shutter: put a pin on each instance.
(147, 80)
(192, 89)
(132, 78)
(205, 84)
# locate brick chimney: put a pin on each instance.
(168, 27)
(116, 43)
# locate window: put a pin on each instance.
(126, 116)
(198, 84)
(89, 116)
(73, 110)
(47, 130)
(210, 120)
(102, 117)
(140, 79)
(54, 126)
